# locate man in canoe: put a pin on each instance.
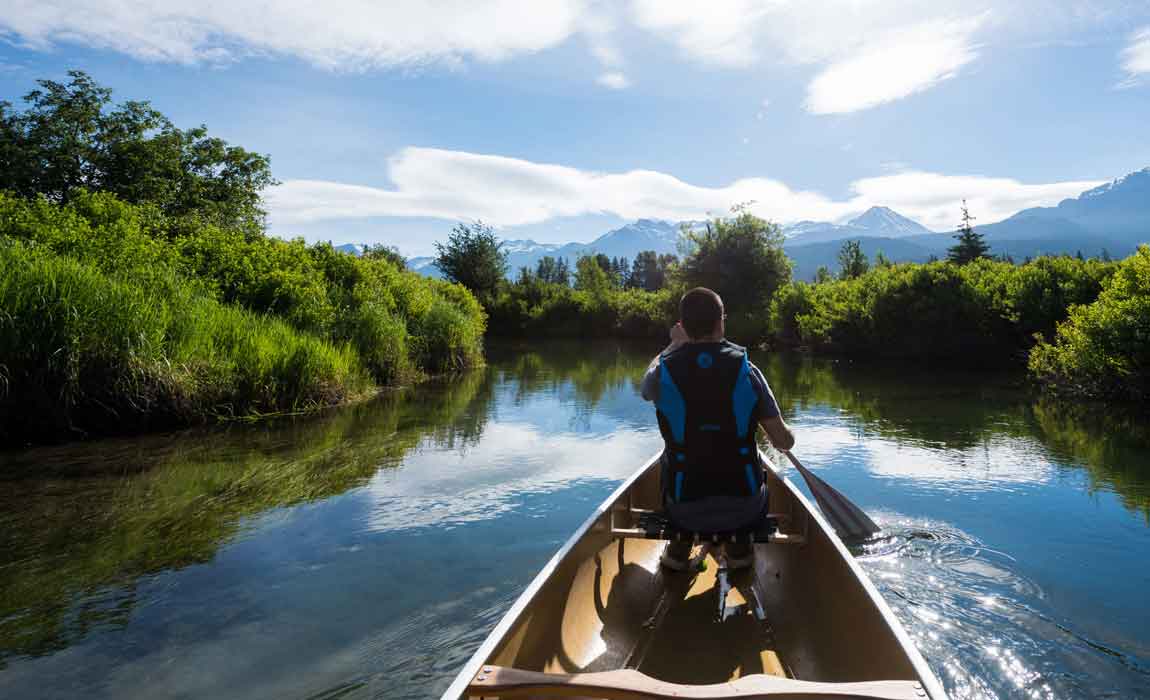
(710, 400)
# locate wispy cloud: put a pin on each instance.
(898, 64)
(1136, 57)
(868, 53)
(456, 185)
(861, 54)
(341, 34)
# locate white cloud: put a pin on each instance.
(456, 185)
(346, 34)
(899, 64)
(865, 52)
(871, 52)
(508, 191)
(933, 199)
(1136, 57)
(614, 80)
(717, 33)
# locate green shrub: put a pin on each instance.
(541, 309)
(1103, 348)
(985, 312)
(84, 351)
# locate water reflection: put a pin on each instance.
(960, 427)
(111, 513)
(366, 552)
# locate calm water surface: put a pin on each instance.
(366, 553)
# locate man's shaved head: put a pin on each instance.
(700, 311)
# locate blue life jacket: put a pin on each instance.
(708, 414)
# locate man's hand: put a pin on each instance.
(678, 337)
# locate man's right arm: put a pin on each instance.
(770, 417)
(779, 432)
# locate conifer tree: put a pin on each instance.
(852, 261)
(971, 245)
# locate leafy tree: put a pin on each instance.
(391, 254)
(971, 244)
(649, 271)
(590, 275)
(474, 257)
(70, 137)
(881, 260)
(741, 258)
(852, 261)
(823, 274)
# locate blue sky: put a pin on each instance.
(559, 119)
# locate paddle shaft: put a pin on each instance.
(848, 520)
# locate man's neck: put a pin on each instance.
(706, 339)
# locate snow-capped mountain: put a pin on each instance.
(527, 246)
(883, 221)
(876, 222)
(625, 241)
(1117, 212)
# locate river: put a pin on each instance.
(367, 552)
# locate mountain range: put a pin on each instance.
(625, 241)
(1113, 218)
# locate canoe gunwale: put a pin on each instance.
(926, 677)
(458, 687)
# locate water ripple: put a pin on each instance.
(982, 624)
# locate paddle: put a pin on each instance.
(846, 518)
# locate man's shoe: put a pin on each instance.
(677, 556)
(739, 556)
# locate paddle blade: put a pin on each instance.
(848, 520)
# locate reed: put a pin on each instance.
(83, 351)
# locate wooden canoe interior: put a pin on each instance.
(607, 605)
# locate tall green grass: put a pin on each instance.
(83, 351)
(402, 325)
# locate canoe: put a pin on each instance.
(603, 619)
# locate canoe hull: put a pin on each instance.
(603, 603)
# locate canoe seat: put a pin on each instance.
(628, 684)
(654, 525)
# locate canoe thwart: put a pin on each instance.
(628, 684)
(654, 525)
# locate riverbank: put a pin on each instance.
(119, 320)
